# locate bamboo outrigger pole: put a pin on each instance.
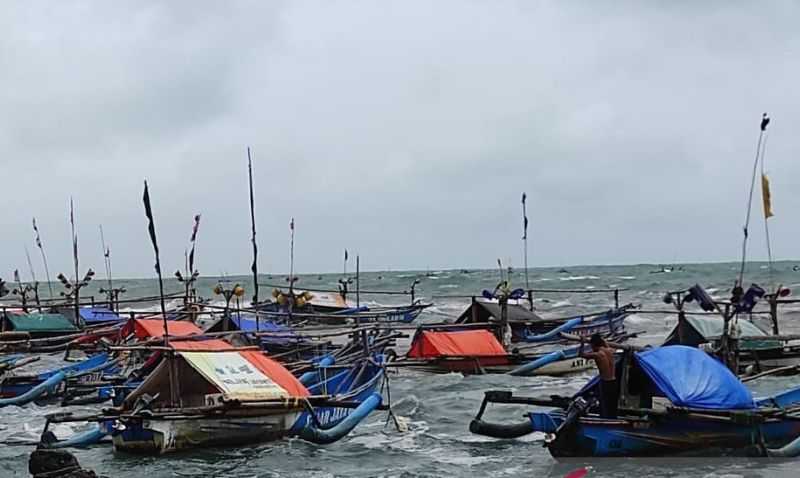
(254, 266)
(152, 229)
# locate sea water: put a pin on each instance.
(437, 409)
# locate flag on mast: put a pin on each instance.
(766, 196)
(524, 217)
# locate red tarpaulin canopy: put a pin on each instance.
(190, 345)
(272, 369)
(146, 328)
(470, 343)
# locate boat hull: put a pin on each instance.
(157, 436)
(486, 365)
(675, 435)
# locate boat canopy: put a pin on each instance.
(147, 328)
(482, 311)
(210, 370)
(94, 315)
(700, 330)
(245, 375)
(689, 377)
(39, 323)
(189, 345)
(462, 343)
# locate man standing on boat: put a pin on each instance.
(603, 357)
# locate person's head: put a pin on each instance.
(597, 342)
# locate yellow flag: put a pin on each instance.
(766, 196)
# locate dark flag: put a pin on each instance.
(151, 227)
(195, 227)
(254, 265)
(74, 237)
(36, 230)
(345, 255)
(524, 217)
(16, 275)
(44, 257)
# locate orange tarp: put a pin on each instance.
(272, 369)
(276, 372)
(146, 328)
(189, 345)
(463, 343)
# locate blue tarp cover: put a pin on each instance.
(247, 323)
(91, 315)
(689, 377)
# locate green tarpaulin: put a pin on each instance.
(39, 323)
(711, 328)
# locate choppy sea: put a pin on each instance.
(438, 408)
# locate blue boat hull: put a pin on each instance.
(675, 435)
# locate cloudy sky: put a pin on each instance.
(405, 131)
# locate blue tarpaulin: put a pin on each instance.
(247, 323)
(93, 315)
(689, 377)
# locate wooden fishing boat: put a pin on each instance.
(528, 326)
(20, 389)
(674, 400)
(732, 322)
(477, 351)
(331, 308)
(211, 394)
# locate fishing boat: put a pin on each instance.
(20, 389)
(732, 322)
(334, 308)
(673, 400)
(37, 324)
(209, 393)
(528, 326)
(478, 351)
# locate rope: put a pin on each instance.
(749, 208)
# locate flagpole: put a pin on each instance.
(291, 259)
(75, 262)
(106, 259)
(767, 203)
(33, 276)
(764, 123)
(152, 230)
(254, 266)
(44, 257)
(525, 238)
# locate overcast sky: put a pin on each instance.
(404, 131)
